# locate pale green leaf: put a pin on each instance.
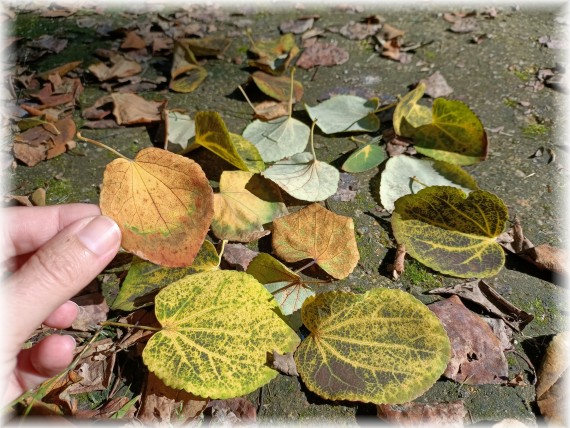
(304, 178)
(414, 113)
(404, 175)
(345, 113)
(180, 129)
(365, 158)
(384, 346)
(217, 330)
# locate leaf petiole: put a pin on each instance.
(388, 107)
(99, 144)
(414, 178)
(120, 324)
(312, 144)
(311, 263)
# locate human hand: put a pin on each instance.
(53, 252)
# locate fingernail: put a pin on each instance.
(71, 341)
(100, 235)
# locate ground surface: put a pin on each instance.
(494, 78)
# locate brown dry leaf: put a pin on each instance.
(49, 43)
(102, 108)
(56, 400)
(322, 54)
(38, 197)
(389, 32)
(162, 404)
(238, 256)
(297, 26)
(121, 67)
(134, 335)
(359, 31)
(447, 415)
(268, 110)
(397, 268)
(465, 25)
(547, 257)
(483, 294)
(130, 109)
(44, 141)
(476, 354)
(233, 411)
(20, 199)
(436, 86)
(552, 379)
(62, 70)
(93, 309)
(285, 363)
(109, 410)
(133, 41)
(66, 91)
(95, 367)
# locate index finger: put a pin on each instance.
(25, 229)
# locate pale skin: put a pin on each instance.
(52, 253)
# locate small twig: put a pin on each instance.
(311, 263)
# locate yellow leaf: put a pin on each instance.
(384, 346)
(414, 113)
(162, 203)
(218, 328)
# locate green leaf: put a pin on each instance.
(384, 346)
(275, 55)
(304, 178)
(278, 138)
(248, 152)
(451, 232)
(180, 129)
(399, 172)
(455, 134)
(279, 87)
(245, 203)
(217, 330)
(365, 158)
(145, 278)
(414, 113)
(285, 285)
(318, 234)
(345, 113)
(211, 133)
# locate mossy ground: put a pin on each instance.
(480, 76)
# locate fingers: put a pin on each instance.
(58, 271)
(30, 228)
(44, 360)
(63, 316)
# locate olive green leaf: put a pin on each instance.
(245, 203)
(403, 175)
(318, 234)
(384, 346)
(304, 177)
(274, 55)
(452, 232)
(217, 330)
(211, 133)
(186, 74)
(144, 278)
(365, 158)
(279, 87)
(455, 134)
(345, 113)
(286, 286)
(414, 113)
(248, 152)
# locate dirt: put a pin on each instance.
(492, 78)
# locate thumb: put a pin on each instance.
(57, 271)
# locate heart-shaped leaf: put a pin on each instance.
(278, 87)
(345, 113)
(318, 234)
(245, 203)
(384, 346)
(455, 134)
(163, 204)
(217, 330)
(451, 232)
(304, 177)
(278, 138)
(211, 133)
(145, 278)
(403, 175)
(365, 158)
(414, 113)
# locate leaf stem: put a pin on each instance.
(291, 93)
(311, 263)
(97, 143)
(356, 140)
(388, 107)
(221, 252)
(316, 281)
(414, 178)
(247, 99)
(312, 144)
(120, 324)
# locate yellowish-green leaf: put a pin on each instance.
(163, 204)
(211, 133)
(245, 203)
(278, 87)
(318, 234)
(455, 134)
(384, 346)
(186, 74)
(451, 232)
(408, 107)
(144, 278)
(248, 152)
(275, 55)
(365, 158)
(217, 330)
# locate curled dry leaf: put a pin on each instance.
(476, 353)
(238, 256)
(130, 109)
(163, 204)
